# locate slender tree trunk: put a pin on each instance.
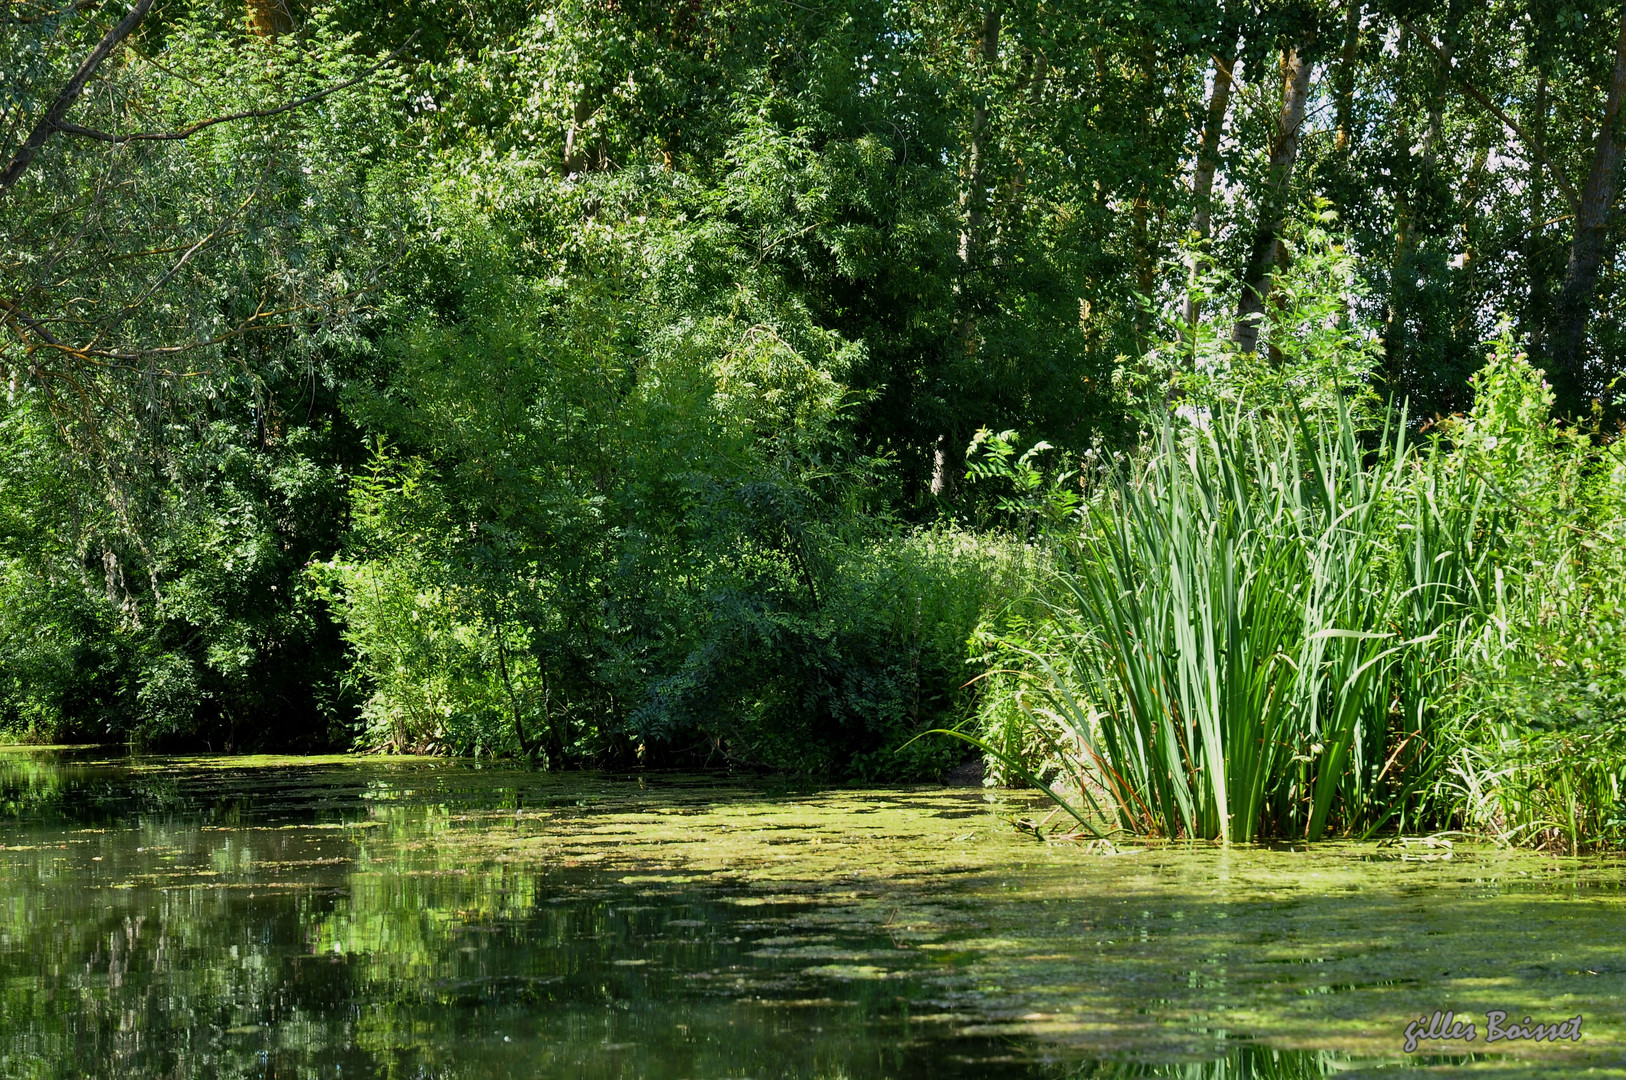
(1418, 177)
(113, 570)
(1029, 92)
(1402, 276)
(1202, 180)
(974, 198)
(942, 471)
(1535, 313)
(1344, 81)
(577, 157)
(1147, 218)
(1346, 185)
(1402, 210)
(1566, 355)
(526, 746)
(1284, 152)
(1202, 177)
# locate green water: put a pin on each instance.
(411, 918)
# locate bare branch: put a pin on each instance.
(59, 108)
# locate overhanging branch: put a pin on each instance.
(190, 130)
(55, 115)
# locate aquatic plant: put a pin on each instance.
(1261, 614)
(1274, 624)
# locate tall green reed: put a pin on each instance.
(1264, 611)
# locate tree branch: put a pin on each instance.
(59, 108)
(1495, 110)
(250, 114)
(18, 314)
(101, 357)
(190, 251)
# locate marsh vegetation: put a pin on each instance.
(1208, 410)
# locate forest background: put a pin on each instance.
(608, 382)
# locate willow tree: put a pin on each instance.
(187, 238)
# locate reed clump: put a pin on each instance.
(1268, 624)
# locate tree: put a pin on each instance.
(1296, 70)
(101, 283)
(1566, 345)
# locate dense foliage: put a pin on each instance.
(611, 381)
(1277, 622)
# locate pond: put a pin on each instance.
(361, 917)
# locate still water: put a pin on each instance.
(345, 917)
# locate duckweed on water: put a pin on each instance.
(345, 917)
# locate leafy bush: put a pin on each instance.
(1540, 755)
(163, 614)
(613, 518)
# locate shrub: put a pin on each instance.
(1539, 708)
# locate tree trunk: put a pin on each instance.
(1566, 354)
(1284, 152)
(1202, 177)
(1402, 229)
(269, 18)
(1537, 308)
(1401, 278)
(526, 745)
(1344, 82)
(577, 157)
(1202, 181)
(1147, 218)
(974, 198)
(942, 475)
(1028, 91)
(1469, 200)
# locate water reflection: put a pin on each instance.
(426, 919)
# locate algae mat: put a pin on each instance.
(419, 918)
